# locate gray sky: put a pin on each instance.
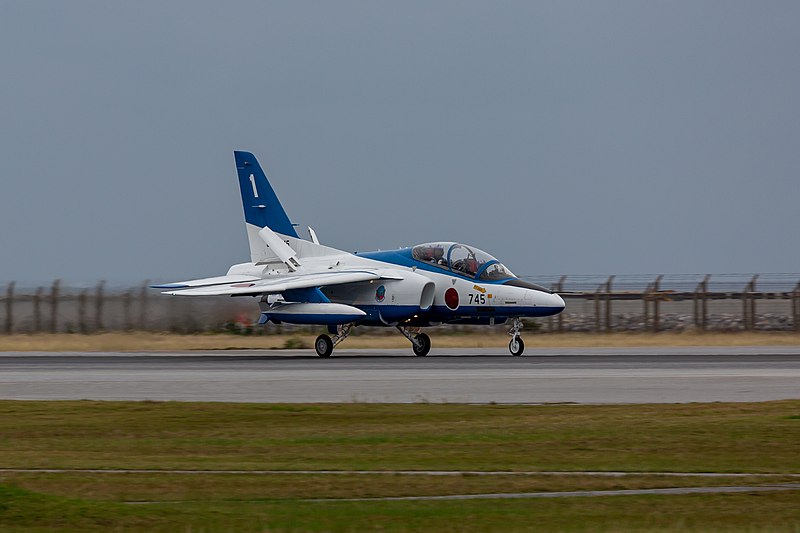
(562, 137)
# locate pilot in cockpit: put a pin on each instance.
(438, 256)
(431, 254)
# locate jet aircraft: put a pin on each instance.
(300, 281)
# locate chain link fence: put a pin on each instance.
(719, 302)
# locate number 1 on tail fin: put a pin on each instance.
(253, 183)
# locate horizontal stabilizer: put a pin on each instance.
(279, 284)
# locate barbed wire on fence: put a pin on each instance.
(771, 282)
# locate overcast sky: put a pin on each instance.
(562, 137)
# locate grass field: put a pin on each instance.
(140, 341)
(761, 438)
(25, 511)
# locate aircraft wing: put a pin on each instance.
(204, 282)
(280, 284)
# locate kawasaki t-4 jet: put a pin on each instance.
(300, 281)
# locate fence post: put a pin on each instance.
(749, 304)
(10, 308)
(700, 304)
(37, 310)
(560, 317)
(98, 306)
(796, 306)
(704, 303)
(753, 298)
(126, 311)
(597, 308)
(82, 313)
(54, 306)
(143, 293)
(656, 302)
(608, 303)
(745, 309)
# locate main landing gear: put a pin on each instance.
(516, 346)
(420, 343)
(324, 343)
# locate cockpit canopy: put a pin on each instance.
(465, 260)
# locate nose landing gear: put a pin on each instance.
(516, 346)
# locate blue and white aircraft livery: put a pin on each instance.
(300, 281)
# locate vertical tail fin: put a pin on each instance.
(261, 205)
(262, 209)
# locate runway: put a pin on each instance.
(607, 375)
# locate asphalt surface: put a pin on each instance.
(606, 375)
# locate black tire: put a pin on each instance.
(425, 345)
(324, 346)
(518, 349)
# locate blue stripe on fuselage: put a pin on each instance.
(497, 310)
(382, 315)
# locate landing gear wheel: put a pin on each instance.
(516, 346)
(422, 346)
(323, 345)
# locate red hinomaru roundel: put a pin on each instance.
(451, 298)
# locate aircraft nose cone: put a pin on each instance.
(558, 301)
